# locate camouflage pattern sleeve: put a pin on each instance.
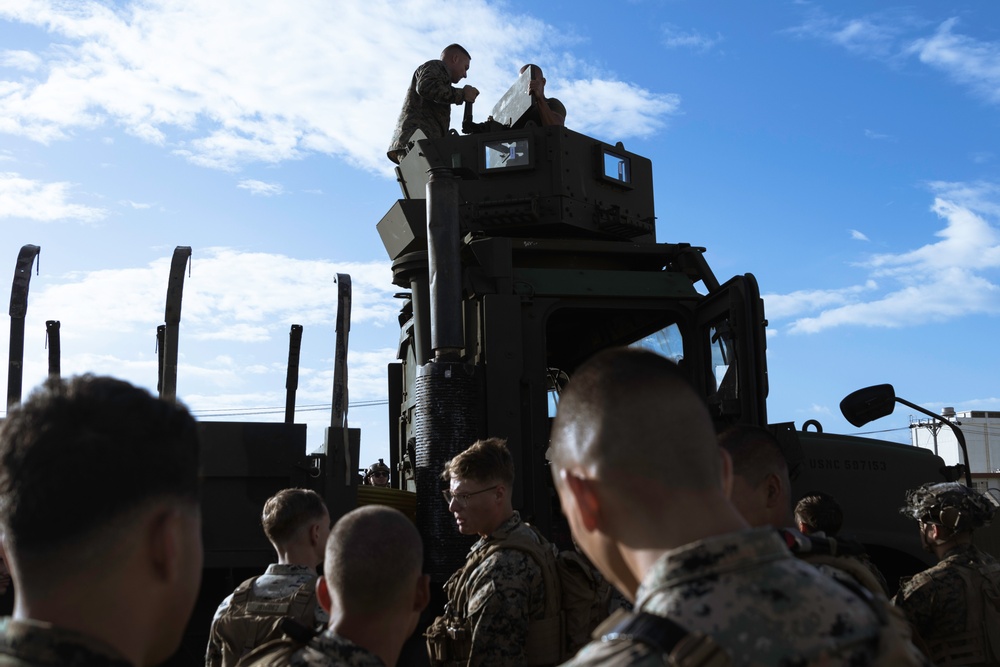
(934, 602)
(434, 85)
(331, 650)
(507, 591)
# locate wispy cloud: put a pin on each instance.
(675, 37)
(22, 60)
(897, 36)
(878, 136)
(238, 305)
(231, 295)
(26, 199)
(968, 61)
(260, 188)
(857, 236)
(943, 280)
(265, 84)
(875, 35)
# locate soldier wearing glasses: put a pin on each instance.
(499, 592)
(377, 474)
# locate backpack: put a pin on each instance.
(583, 597)
(980, 643)
(577, 600)
(249, 621)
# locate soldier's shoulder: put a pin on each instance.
(330, 650)
(618, 652)
(27, 643)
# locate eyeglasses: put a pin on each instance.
(462, 499)
(380, 473)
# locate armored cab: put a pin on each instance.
(525, 251)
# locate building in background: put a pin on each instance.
(982, 438)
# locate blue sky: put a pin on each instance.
(845, 153)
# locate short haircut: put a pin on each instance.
(372, 556)
(289, 510)
(631, 409)
(820, 512)
(484, 461)
(453, 49)
(80, 458)
(755, 452)
(534, 68)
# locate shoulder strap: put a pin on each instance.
(682, 647)
(242, 593)
(303, 604)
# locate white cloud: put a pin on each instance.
(858, 236)
(878, 136)
(134, 204)
(892, 36)
(23, 60)
(677, 38)
(230, 296)
(23, 198)
(782, 306)
(968, 61)
(602, 108)
(225, 83)
(875, 35)
(944, 280)
(261, 188)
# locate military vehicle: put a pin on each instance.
(522, 250)
(525, 250)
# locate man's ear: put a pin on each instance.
(314, 529)
(323, 595)
(773, 489)
(162, 532)
(423, 593)
(727, 472)
(585, 496)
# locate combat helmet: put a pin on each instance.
(950, 504)
(378, 466)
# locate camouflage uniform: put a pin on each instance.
(427, 106)
(935, 600)
(37, 644)
(330, 650)
(497, 599)
(278, 581)
(755, 600)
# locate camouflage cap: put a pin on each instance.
(950, 504)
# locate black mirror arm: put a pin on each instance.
(958, 434)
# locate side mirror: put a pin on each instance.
(868, 404)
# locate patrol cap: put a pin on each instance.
(950, 504)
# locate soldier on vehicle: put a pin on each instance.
(368, 624)
(297, 524)
(377, 474)
(99, 509)
(669, 524)
(953, 606)
(496, 601)
(546, 110)
(427, 106)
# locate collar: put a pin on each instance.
(711, 557)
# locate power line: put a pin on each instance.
(248, 412)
